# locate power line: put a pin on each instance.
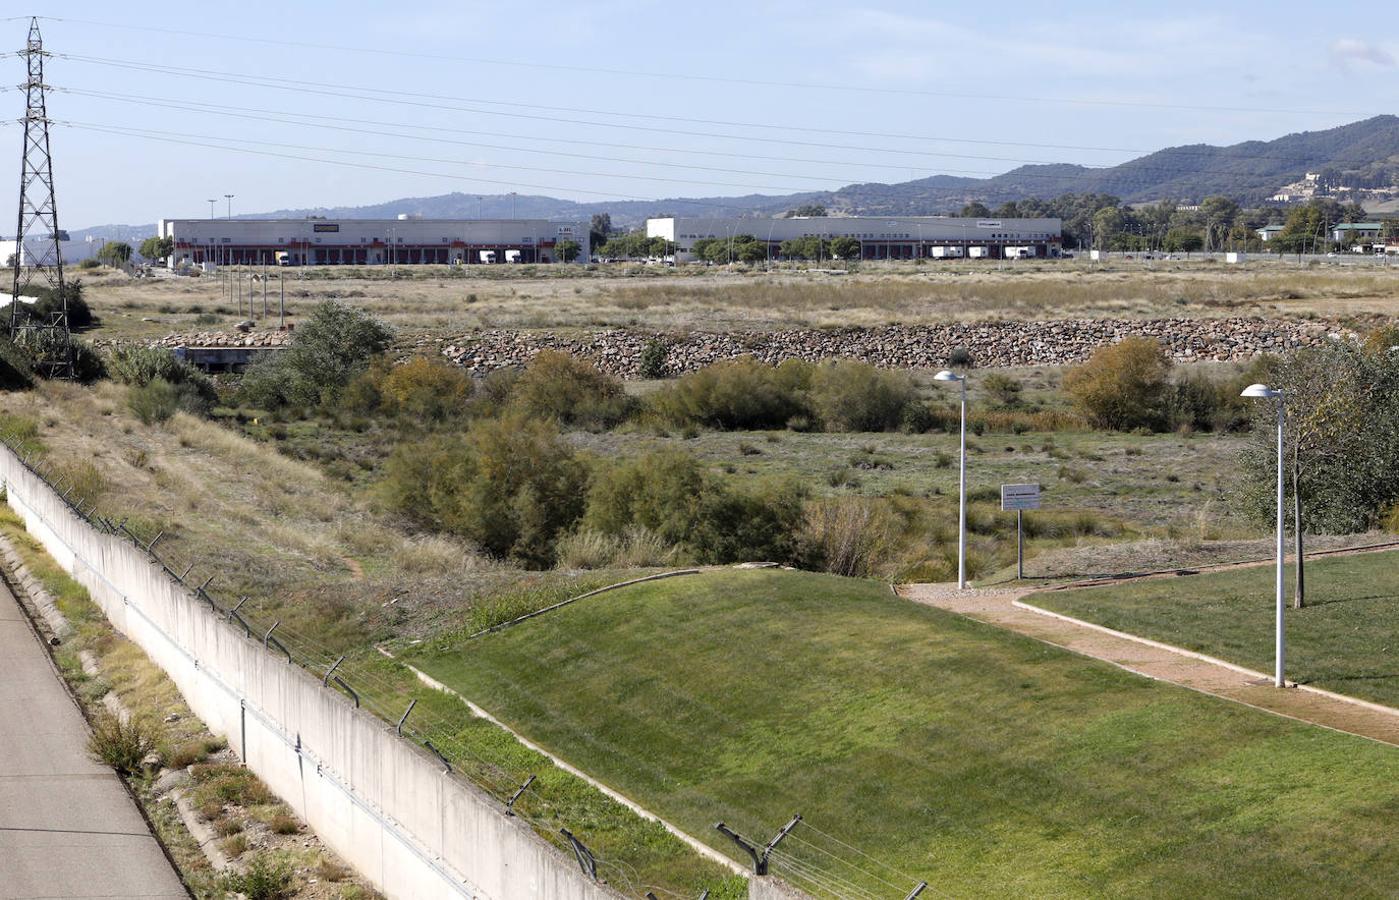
(281, 84)
(425, 101)
(713, 79)
(377, 168)
(298, 118)
(430, 159)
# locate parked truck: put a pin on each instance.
(1020, 253)
(947, 252)
(978, 252)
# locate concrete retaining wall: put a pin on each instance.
(382, 803)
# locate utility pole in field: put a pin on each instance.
(48, 339)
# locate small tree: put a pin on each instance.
(1124, 385)
(846, 248)
(568, 250)
(157, 248)
(115, 253)
(331, 349)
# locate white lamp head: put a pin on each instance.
(948, 375)
(1259, 390)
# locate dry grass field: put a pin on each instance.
(439, 301)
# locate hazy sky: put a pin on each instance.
(596, 100)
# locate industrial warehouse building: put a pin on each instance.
(405, 240)
(907, 237)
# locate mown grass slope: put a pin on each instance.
(1345, 639)
(990, 764)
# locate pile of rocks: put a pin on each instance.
(999, 343)
(266, 340)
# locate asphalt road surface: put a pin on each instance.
(67, 826)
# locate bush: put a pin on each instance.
(669, 494)
(1003, 390)
(142, 366)
(512, 485)
(635, 547)
(122, 745)
(961, 357)
(855, 396)
(263, 879)
(16, 367)
(1123, 386)
(653, 360)
(425, 390)
(850, 536)
(46, 348)
(44, 308)
(157, 401)
(569, 391)
(737, 394)
(330, 350)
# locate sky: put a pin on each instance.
(319, 103)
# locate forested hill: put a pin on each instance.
(1362, 154)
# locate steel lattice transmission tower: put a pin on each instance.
(47, 338)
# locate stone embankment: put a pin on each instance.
(989, 344)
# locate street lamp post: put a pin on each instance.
(1260, 391)
(211, 207)
(946, 375)
(229, 198)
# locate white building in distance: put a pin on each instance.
(880, 237)
(406, 240)
(37, 251)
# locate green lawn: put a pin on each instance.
(990, 764)
(1346, 639)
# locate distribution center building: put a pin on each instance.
(406, 240)
(903, 237)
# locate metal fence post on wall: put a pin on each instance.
(586, 861)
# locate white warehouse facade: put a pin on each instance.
(880, 237)
(369, 242)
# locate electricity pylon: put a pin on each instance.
(38, 236)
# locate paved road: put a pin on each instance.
(998, 607)
(67, 826)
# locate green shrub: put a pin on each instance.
(855, 396)
(330, 350)
(653, 360)
(1003, 390)
(48, 304)
(737, 394)
(157, 401)
(16, 367)
(670, 494)
(142, 366)
(570, 391)
(424, 390)
(264, 878)
(47, 347)
(122, 744)
(512, 485)
(1123, 386)
(850, 536)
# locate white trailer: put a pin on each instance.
(487, 256)
(978, 252)
(946, 252)
(1020, 253)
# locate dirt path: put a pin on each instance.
(1002, 607)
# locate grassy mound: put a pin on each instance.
(987, 763)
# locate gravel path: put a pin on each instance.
(1005, 609)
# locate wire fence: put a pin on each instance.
(823, 871)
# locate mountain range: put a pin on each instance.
(1362, 155)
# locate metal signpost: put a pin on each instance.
(1020, 497)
